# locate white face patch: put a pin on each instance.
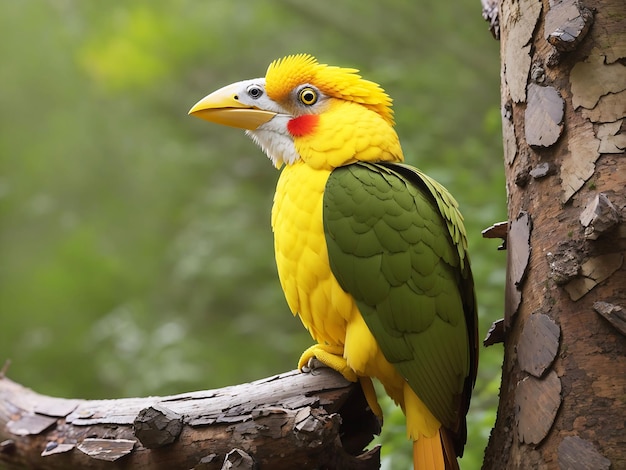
(273, 137)
(252, 93)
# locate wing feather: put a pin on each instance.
(396, 243)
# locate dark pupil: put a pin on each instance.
(308, 96)
(254, 92)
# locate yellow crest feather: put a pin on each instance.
(283, 75)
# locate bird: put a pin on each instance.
(371, 253)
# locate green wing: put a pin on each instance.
(396, 243)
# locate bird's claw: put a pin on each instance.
(318, 356)
(312, 365)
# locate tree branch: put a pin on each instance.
(292, 420)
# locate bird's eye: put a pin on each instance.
(307, 96)
(255, 91)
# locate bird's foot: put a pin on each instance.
(329, 356)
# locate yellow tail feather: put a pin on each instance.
(429, 454)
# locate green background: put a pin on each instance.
(136, 255)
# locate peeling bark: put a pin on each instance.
(599, 216)
(543, 120)
(566, 24)
(578, 454)
(538, 345)
(518, 251)
(614, 314)
(592, 272)
(537, 402)
(519, 19)
(564, 370)
(292, 420)
(491, 15)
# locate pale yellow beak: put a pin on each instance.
(222, 107)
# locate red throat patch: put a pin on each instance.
(302, 125)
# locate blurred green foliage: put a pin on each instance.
(135, 241)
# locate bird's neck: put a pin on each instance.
(348, 132)
(276, 141)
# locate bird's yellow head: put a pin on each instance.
(303, 110)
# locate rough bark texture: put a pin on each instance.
(563, 391)
(293, 420)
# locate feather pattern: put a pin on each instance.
(407, 269)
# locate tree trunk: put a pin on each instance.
(293, 420)
(562, 398)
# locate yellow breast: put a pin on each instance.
(310, 288)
